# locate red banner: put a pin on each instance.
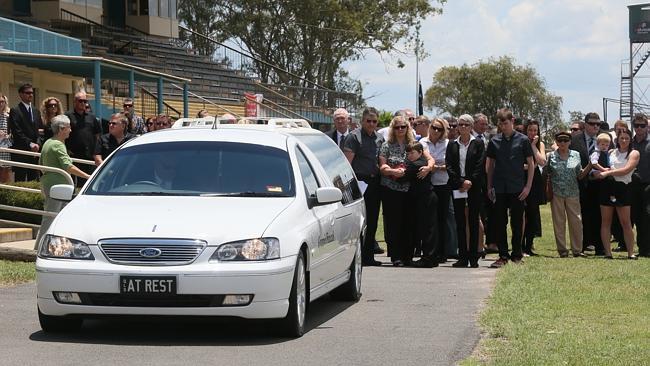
(251, 106)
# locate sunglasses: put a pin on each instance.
(28, 92)
(453, 126)
(593, 123)
(437, 129)
(563, 140)
(411, 118)
(402, 127)
(127, 105)
(372, 121)
(82, 100)
(640, 125)
(53, 105)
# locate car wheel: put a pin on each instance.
(351, 290)
(58, 324)
(294, 323)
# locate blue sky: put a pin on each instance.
(577, 46)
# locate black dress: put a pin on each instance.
(536, 197)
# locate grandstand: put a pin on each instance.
(218, 83)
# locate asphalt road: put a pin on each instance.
(406, 316)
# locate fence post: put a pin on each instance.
(131, 84)
(97, 84)
(186, 102)
(160, 95)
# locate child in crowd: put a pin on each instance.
(599, 159)
(423, 201)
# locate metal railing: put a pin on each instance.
(19, 37)
(304, 90)
(149, 105)
(205, 100)
(41, 168)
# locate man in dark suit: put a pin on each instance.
(340, 130)
(85, 132)
(24, 122)
(584, 143)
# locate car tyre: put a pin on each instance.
(58, 324)
(293, 325)
(351, 290)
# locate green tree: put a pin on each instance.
(384, 118)
(198, 16)
(489, 85)
(576, 116)
(313, 38)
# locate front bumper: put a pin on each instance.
(269, 282)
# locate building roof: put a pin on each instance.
(83, 66)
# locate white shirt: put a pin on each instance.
(438, 152)
(28, 107)
(340, 137)
(618, 160)
(462, 152)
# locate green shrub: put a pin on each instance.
(22, 199)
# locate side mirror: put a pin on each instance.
(62, 192)
(327, 195)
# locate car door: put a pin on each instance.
(321, 219)
(348, 217)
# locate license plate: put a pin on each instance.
(148, 285)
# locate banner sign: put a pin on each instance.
(639, 23)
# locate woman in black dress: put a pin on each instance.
(533, 220)
(465, 163)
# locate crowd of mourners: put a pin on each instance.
(446, 187)
(60, 136)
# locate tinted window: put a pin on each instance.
(196, 168)
(308, 177)
(335, 164)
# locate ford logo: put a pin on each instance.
(150, 252)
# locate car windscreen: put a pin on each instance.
(196, 168)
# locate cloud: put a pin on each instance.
(577, 46)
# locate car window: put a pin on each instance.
(308, 177)
(335, 164)
(196, 168)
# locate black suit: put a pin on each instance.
(475, 173)
(333, 134)
(589, 193)
(24, 131)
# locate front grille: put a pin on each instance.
(158, 301)
(171, 251)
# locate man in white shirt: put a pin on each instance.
(23, 123)
(341, 123)
(480, 128)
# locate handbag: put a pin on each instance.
(548, 188)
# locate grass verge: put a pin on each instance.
(569, 311)
(13, 273)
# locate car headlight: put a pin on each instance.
(248, 250)
(60, 247)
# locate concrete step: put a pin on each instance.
(15, 234)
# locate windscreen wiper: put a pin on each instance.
(242, 194)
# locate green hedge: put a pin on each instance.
(22, 199)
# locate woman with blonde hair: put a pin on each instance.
(392, 165)
(5, 139)
(50, 108)
(436, 143)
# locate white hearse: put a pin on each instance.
(250, 221)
